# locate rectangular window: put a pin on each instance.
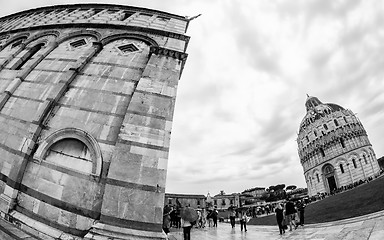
(126, 15)
(78, 43)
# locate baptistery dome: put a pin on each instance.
(333, 147)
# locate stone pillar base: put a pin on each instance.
(7, 200)
(102, 231)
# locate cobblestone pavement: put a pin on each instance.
(369, 227)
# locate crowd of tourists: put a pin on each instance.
(289, 214)
(172, 218)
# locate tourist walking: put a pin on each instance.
(243, 220)
(300, 208)
(232, 217)
(186, 225)
(203, 218)
(215, 213)
(188, 215)
(209, 218)
(280, 218)
(167, 219)
(290, 212)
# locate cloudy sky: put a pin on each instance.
(242, 93)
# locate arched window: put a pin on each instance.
(314, 131)
(19, 64)
(342, 142)
(318, 179)
(336, 123)
(345, 120)
(328, 169)
(322, 152)
(325, 126)
(341, 168)
(365, 159)
(354, 163)
(70, 153)
(73, 149)
(307, 138)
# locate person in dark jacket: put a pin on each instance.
(280, 217)
(300, 208)
(214, 217)
(290, 211)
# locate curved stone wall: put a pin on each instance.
(87, 94)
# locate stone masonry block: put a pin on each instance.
(6, 203)
(49, 212)
(152, 176)
(13, 85)
(3, 99)
(149, 152)
(10, 192)
(139, 120)
(111, 200)
(50, 188)
(84, 223)
(67, 218)
(152, 104)
(125, 166)
(135, 204)
(152, 86)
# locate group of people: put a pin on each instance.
(242, 216)
(172, 218)
(290, 214)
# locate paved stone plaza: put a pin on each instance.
(369, 227)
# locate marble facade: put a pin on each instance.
(334, 148)
(87, 95)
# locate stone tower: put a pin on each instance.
(334, 148)
(87, 95)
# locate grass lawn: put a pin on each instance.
(364, 199)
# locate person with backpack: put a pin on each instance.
(243, 220)
(280, 218)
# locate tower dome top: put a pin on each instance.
(317, 109)
(312, 102)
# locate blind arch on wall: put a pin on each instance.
(69, 144)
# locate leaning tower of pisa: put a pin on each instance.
(87, 94)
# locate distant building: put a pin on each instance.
(224, 201)
(192, 200)
(333, 147)
(257, 192)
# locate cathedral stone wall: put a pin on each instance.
(334, 148)
(87, 95)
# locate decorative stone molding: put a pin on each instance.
(168, 53)
(78, 134)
